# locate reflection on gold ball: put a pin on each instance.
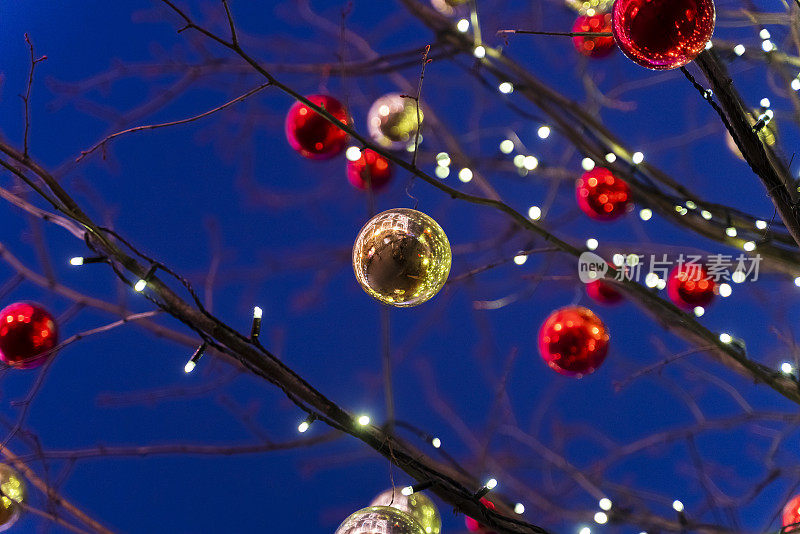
(13, 492)
(417, 505)
(401, 257)
(590, 7)
(768, 134)
(392, 121)
(379, 520)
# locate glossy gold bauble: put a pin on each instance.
(13, 492)
(380, 520)
(417, 505)
(401, 257)
(590, 7)
(392, 121)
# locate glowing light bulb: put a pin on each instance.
(507, 146)
(592, 244)
(77, 260)
(646, 214)
(738, 49)
(353, 153)
(787, 368)
(436, 442)
(479, 52)
(505, 88)
(462, 25)
(725, 338)
(637, 158)
(465, 175)
(140, 285)
(677, 505)
(543, 132)
(189, 367)
(605, 504)
(363, 420)
(587, 164)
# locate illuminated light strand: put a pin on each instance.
(306, 424)
(81, 260)
(192, 363)
(142, 283)
(255, 330)
(489, 486)
(416, 488)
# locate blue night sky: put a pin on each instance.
(284, 227)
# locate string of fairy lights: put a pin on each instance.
(525, 163)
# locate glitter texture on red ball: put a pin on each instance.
(603, 292)
(310, 134)
(689, 286)
(26, 331)
(474, 526)
(573, 341)
(370, 169)
(662, 34)
(601, 195)
(791, 512)
(590, 46)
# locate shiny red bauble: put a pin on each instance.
(689, 286)
(662, 34)
(601, 195)
(590, 46)
(310, 134)
(603, 292)
(791, 512)
(370, 170)
(474, 526)
(27, 333)
(573, 341)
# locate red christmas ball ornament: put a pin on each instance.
(689, 286)
(662, 34)
(601, 195)
(371, 169)
(591, 46)
(26, 331)
(791, 512)
(603, 292)
(310, 134)
(573, 341)
(474, 526)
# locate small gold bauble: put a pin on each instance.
(401, 257)
(417, 505)
(590, 7)
(392, 121)
(379, 520)
(768, 134)
(12, 487)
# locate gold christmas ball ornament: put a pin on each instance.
(402, 257)
(590, 7)
(768, 134)
(392, 121)
(12, 487)
(417, 505)
(380, 520)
